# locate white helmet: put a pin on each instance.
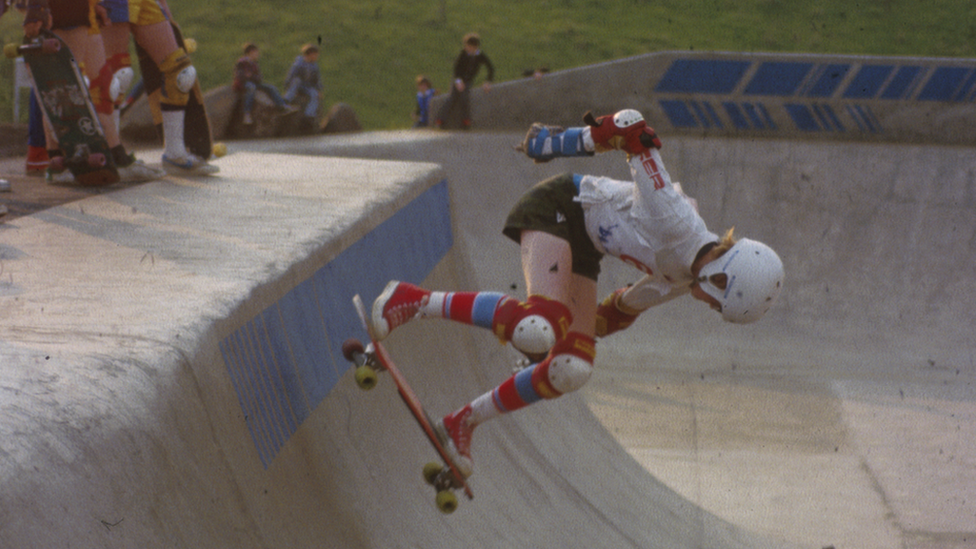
(754, 278)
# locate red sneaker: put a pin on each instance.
(399, 303)
(455, 432)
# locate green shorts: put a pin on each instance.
(549, 207)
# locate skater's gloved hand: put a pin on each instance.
(536, 139)
(624, 131)
(612, 315)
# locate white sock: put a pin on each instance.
(483, 408)
(435, 305)
(173, 134)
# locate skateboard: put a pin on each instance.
(68, 108)
(197, 133)
(444, 477)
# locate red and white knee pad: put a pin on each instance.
(114, 79)
(567, 368)
(532, 326)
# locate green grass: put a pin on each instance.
(373, 49)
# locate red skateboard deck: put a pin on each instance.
(377, 358)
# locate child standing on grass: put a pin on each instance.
(466, 68)
(425, 91)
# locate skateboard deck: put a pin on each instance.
(68, 108)
(444, 477)
(197, 133)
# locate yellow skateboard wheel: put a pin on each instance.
(219, 149)
(431, 470)
(447, 502)
(365, 378)
(190, 45)
(10, 51)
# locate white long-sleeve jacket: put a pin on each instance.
(648, 223)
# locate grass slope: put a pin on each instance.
(373, 49)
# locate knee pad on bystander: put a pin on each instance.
(178, 78)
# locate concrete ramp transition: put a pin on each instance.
(170, 373)
(170, 376)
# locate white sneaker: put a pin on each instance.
(59, 178)
(189, 165)
(4, 186)
(139, 171)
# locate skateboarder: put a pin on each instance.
(565, 225)
(148, 22)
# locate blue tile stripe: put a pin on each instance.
(735, 114)
(828, 80)
(702, 76)
(285, 361)
(679, 114)
(831, 96)
(816, 80)
(780, 79)
(702, 114)
(868, 81)
(946, 84)
(903, 83)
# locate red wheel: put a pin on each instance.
(97, 160)
(57, 164)
(50, 45)
(350, 348)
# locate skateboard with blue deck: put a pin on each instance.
(372, 359)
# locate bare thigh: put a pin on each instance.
(157, 39)
(87, 49)
(547, 263)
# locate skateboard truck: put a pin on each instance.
(439, 476)
(82, 157)
(46, 45)
(365, 361)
